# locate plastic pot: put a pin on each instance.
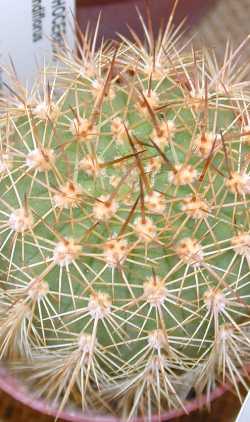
(14, 388)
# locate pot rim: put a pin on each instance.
(10, 385)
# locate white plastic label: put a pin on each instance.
(244, 415)
(26, 30)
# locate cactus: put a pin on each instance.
(125, 226)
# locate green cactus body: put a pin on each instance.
(125, 239)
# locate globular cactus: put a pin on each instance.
(125, 242)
